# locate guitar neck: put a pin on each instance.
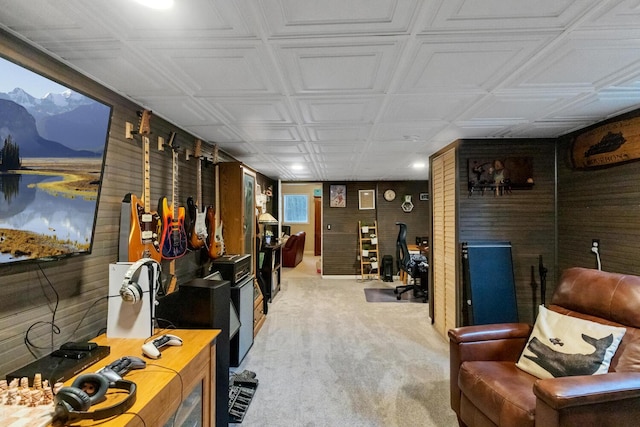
(198, 154)
(174, 184)
(146, 167)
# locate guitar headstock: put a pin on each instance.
(172, 142)
(197, 149)
(144, 126)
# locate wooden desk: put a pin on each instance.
(160, 390)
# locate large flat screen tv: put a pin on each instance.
(53, 141)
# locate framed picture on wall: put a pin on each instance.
(424, 196)
(338, 196)
(366, 199)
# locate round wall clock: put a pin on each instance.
(389, 195)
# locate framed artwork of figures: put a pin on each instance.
(338, 196)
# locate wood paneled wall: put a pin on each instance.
(599, 204)
(81, 284)
(526, 218)
(340, 243)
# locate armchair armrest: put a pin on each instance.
(502, 341)
(566, 392)
(611, 399)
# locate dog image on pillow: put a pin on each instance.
(561, 364)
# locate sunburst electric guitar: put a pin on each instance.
(144, 224)
(197, 224)
(173, 243)
(216, 241)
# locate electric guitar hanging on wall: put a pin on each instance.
(144, 224)
(197, 225)
(216, 241)
(173, 243)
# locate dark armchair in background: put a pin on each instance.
(293, 250)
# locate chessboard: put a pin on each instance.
(25, 416)
(24, 406)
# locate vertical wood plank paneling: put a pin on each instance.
(438, 254)
(451, 296)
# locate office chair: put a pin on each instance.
(409, 265)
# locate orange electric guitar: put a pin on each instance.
(173, 243)
(216, 241)
(197, 224)
(144, 224)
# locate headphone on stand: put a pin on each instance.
(73, 403)
(130, 291)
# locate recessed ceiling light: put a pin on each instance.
(156, 4)
(296, 167)
(419, 165)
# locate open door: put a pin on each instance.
(317, 229)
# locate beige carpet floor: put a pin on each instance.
(326, 357)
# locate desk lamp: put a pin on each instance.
(266, 219)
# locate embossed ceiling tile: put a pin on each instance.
(469, 15)
(427, 107)
(349, 109)
(271, 133)
(470, 129)
(467, 63)
(279, 148)
(187, 110)
(194, 19)
(220, 134)
(584, 62)
(286, 18)
(49, 22)
(337, 147)
(338, 67)
(510, 108)
(338, 133)
(544, 129)
(266, 110)
(624, 14)
(218, 71)
(408, 131)
(118, 69)
(595, 107)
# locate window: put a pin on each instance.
(296, 208)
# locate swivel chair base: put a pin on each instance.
(417, 292)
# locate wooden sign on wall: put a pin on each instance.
(606, 145)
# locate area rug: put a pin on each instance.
(387, 295)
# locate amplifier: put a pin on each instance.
(233, 268)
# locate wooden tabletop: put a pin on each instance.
(164, 383)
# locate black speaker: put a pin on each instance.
(387, 268)
(204, 304)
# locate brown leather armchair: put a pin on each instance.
(293, 250)
(487, 389)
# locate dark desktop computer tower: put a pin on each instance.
(206, 304)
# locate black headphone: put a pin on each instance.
(73, 403)
(130, 291)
